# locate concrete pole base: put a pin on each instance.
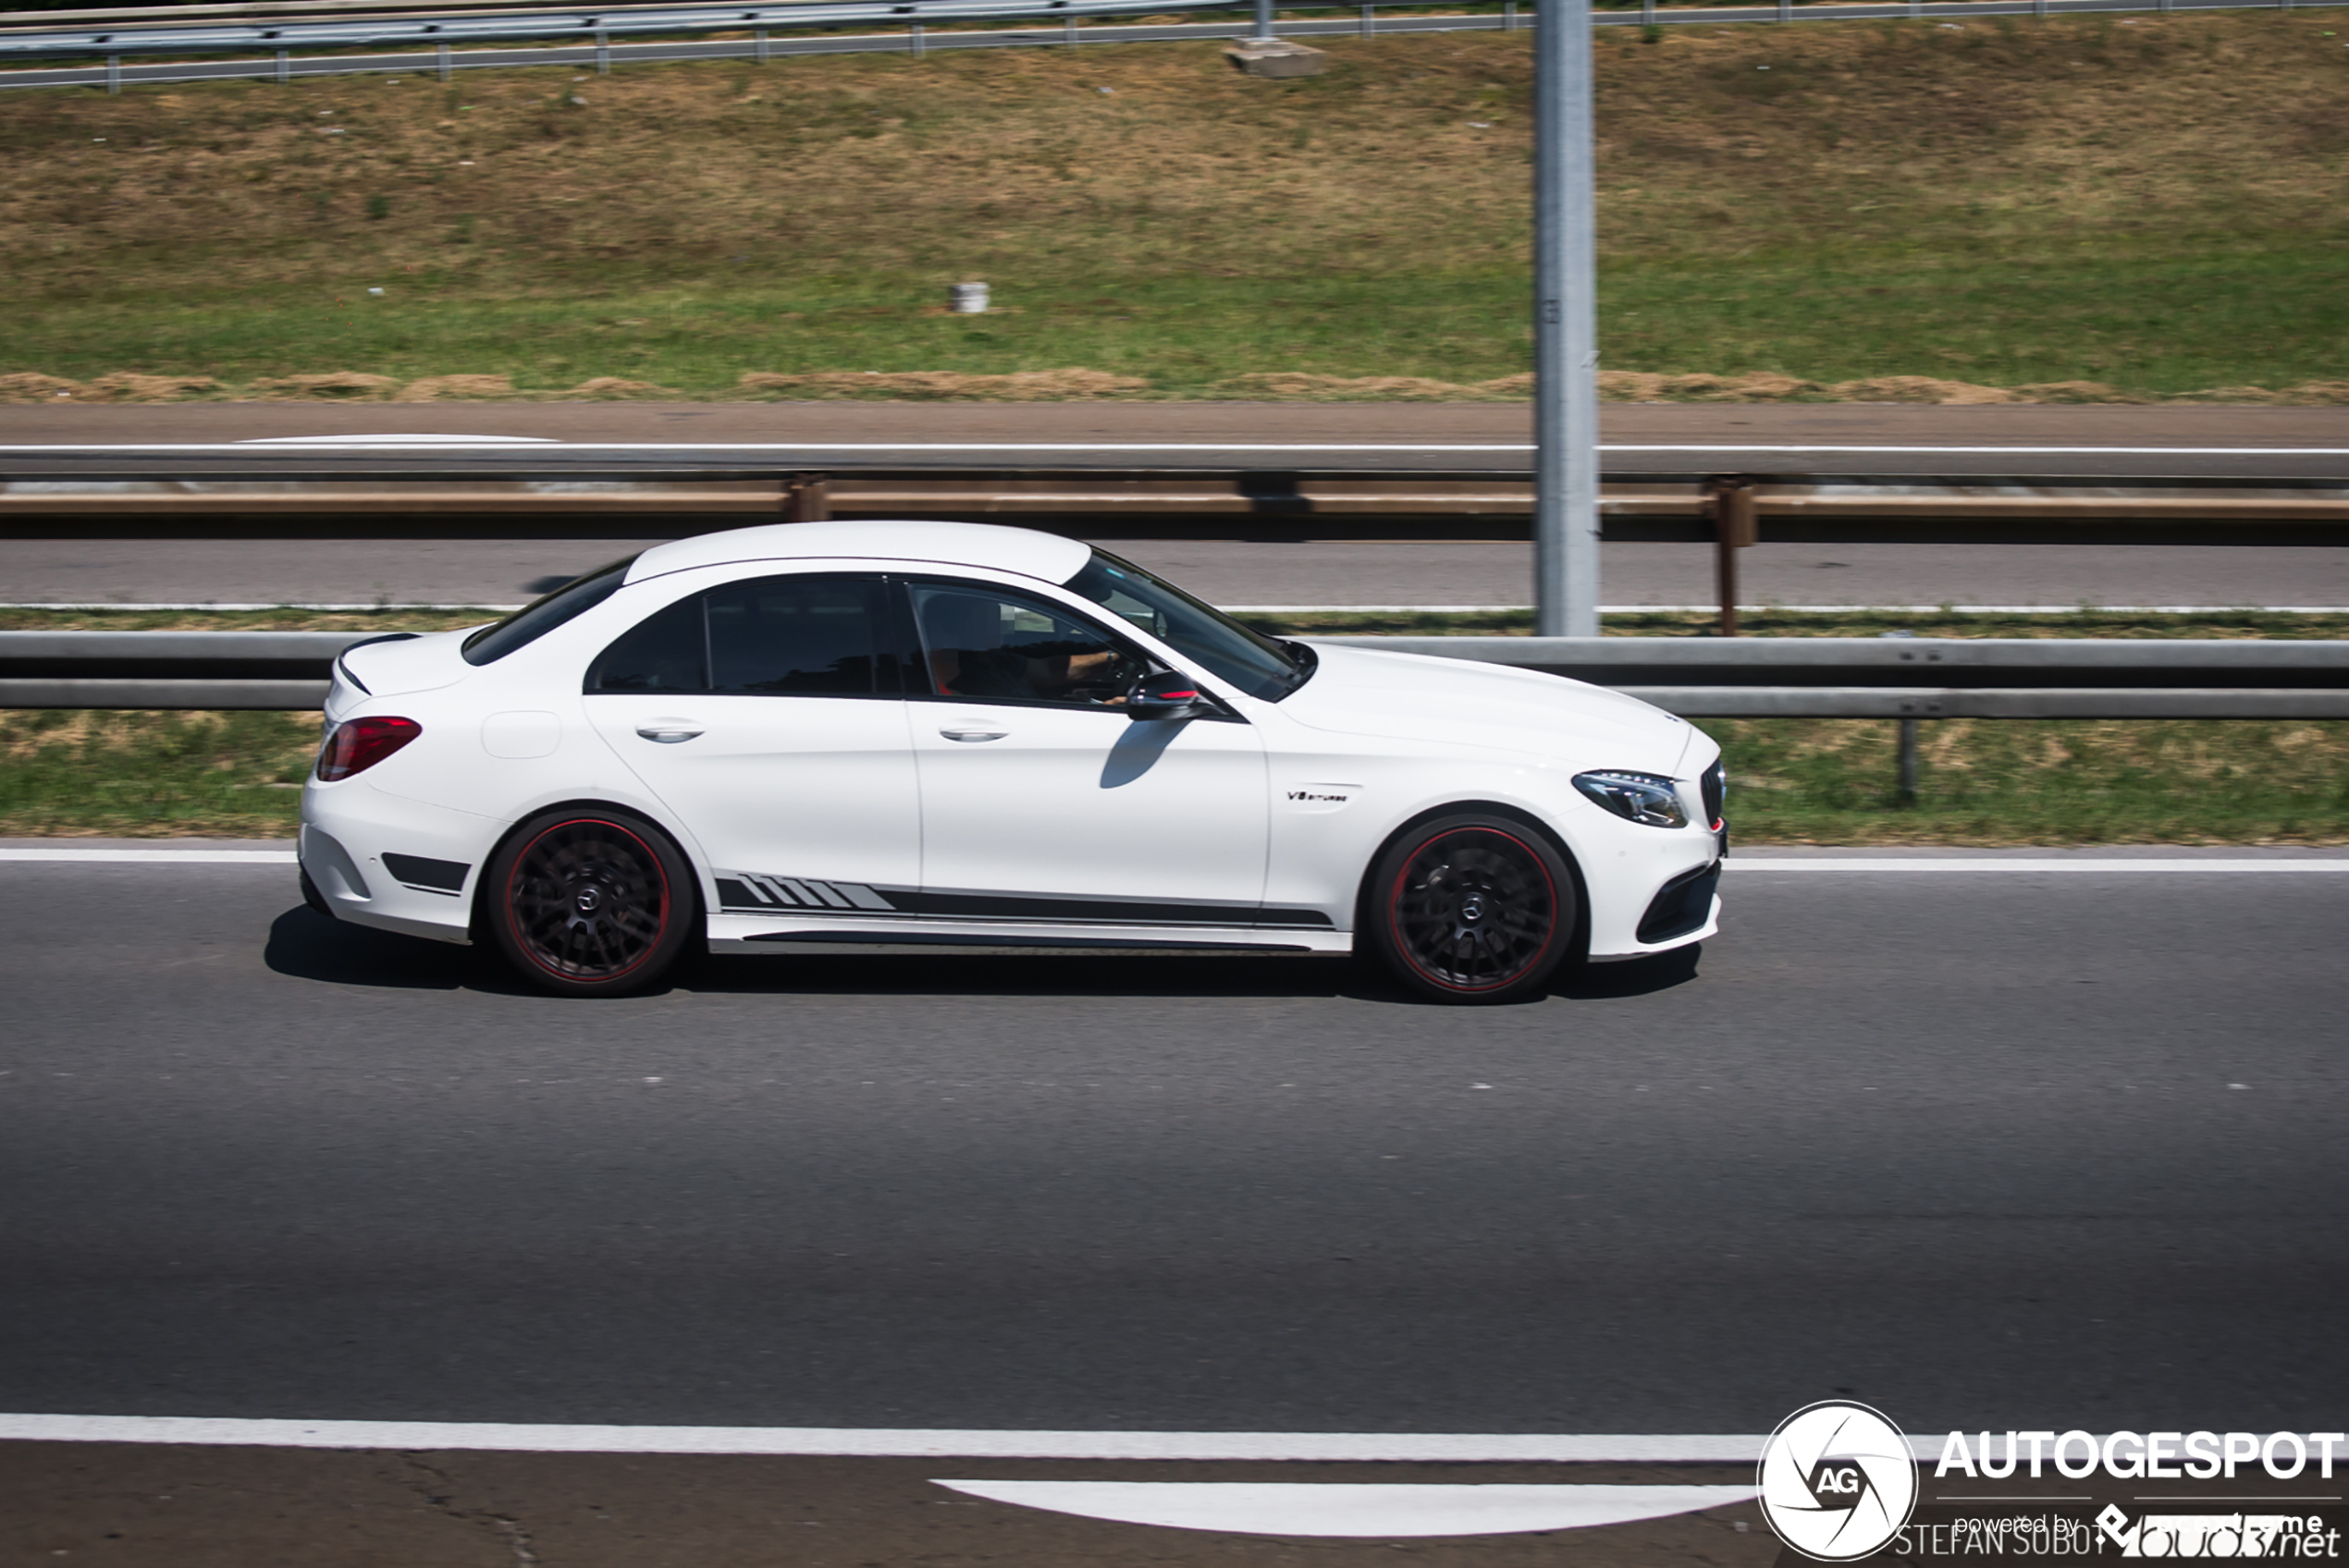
(1276, 57)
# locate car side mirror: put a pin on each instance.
(1168, 696)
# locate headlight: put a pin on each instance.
(1645, 797)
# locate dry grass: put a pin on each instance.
(2080, 208)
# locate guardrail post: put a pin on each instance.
(1565, 329)
(114, 76)
(603, 52)
(1068, 29)
(1370, 24)
(1508, 16)
(808, 498)
(1908, 789)
(1735, 526)
(914, 35)
(759, 45)
(1786, 10)
(441, 50)
(1647, 13)
(285, 67)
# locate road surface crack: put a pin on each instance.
(437, 1489)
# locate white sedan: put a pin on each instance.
(945, 734)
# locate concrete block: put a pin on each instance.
(1276, 57)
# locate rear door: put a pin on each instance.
(769, 716)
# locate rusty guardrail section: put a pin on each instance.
(1697, 677)
(1138, 504)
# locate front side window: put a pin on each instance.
(796, 636)
(542, 615)
(1002, 646)
(1260, 665)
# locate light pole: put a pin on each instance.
(1263, 19)
(1565, 336)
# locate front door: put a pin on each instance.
(1043, 800)
(768, 715)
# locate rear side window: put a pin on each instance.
(804, 636)
(796, 636)
(668, 653)
(541, 616)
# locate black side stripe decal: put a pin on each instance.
(758, 893)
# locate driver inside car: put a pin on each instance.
(965, 636)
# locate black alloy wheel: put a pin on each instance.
(590, 903)
(1471, 909)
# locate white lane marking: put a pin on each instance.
(1309, 1508)
(1326, 610)
(1502, 609)
(155, 857)
(417, 438)
(2230, 866)
(284, 604)
(884, 1443)
(378, 443)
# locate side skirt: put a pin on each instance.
(730, 932)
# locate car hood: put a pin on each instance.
(400, 664)
(1463, 701)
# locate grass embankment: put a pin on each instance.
(1793, 780)
(2153, 204)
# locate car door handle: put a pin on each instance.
(961, 734)
(666, 734)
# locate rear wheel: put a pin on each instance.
(590, 903)
(1471, 909)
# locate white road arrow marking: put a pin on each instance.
(1308, 1508)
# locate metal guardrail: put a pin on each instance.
(912, 24)
(1699, 678)
(1913, 677)
(1791, 509)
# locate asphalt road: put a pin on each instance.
(1336, 572)
(1986, 1149)
(2051, 442)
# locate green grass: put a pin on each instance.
(232, 774)
(2167, 318)
(2039, 782)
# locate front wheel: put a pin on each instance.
(589, 903)
(1471, 909)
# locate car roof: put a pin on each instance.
(1045, 555)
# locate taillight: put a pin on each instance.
(355, 746)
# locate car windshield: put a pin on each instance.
(541, 616)
(1260, 665)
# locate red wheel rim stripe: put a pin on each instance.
(1395, 894)
(668, 900)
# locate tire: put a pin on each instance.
(1471, 909)
(589, 903)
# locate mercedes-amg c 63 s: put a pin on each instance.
(945, 734)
